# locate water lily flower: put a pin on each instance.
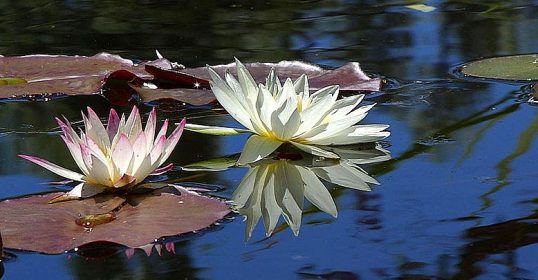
(288, 113)
(120, 155)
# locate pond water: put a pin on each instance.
(456, 201)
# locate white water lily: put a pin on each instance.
(122, 154)
(275, 187)
(279, 113)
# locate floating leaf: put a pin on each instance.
(514, 68)
(350, 77)
(53, 74)
(44, 75)
(31, 223)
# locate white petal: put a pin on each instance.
(289, 189)
(285, 130)
(228, 99)
(144, 169)
(82, 190)
(245, 188)
(245, 79)
(345, 105)
(314, 114)
(150, 129)
(345, 176)
(269, 206)
(85, 190)
(356, 134)
(265, 106)
(287, 92)
(317, 193)
(256, 148)
(301, 87)
(74, 149)
(133, 125)
(329, 90)
(100, 173)
(215, 130)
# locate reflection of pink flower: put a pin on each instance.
(122, 154)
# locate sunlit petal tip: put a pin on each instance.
(91, 113)
(60, 122)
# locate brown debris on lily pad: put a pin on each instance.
(50, 75)
(32, 224)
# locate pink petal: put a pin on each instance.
(95, 149)
(150, 128)
(97, 130)
(163, 130)
(157, 149)
(139, 150)
(86, 155)
(68, 130)
(113, 124)
(76, 153)
(133, 125)
(162, 170)
(122, 153)
(66, 173)
(173, 139)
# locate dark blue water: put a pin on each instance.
(456, 201)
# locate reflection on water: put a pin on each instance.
(277, 185)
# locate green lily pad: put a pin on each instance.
(513, 68)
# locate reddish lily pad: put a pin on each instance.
(54, 74)
(32, 224)
(350, 77)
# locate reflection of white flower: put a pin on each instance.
(120, 155)
(277, 187)
(289, 113)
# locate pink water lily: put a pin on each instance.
(119, 155)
